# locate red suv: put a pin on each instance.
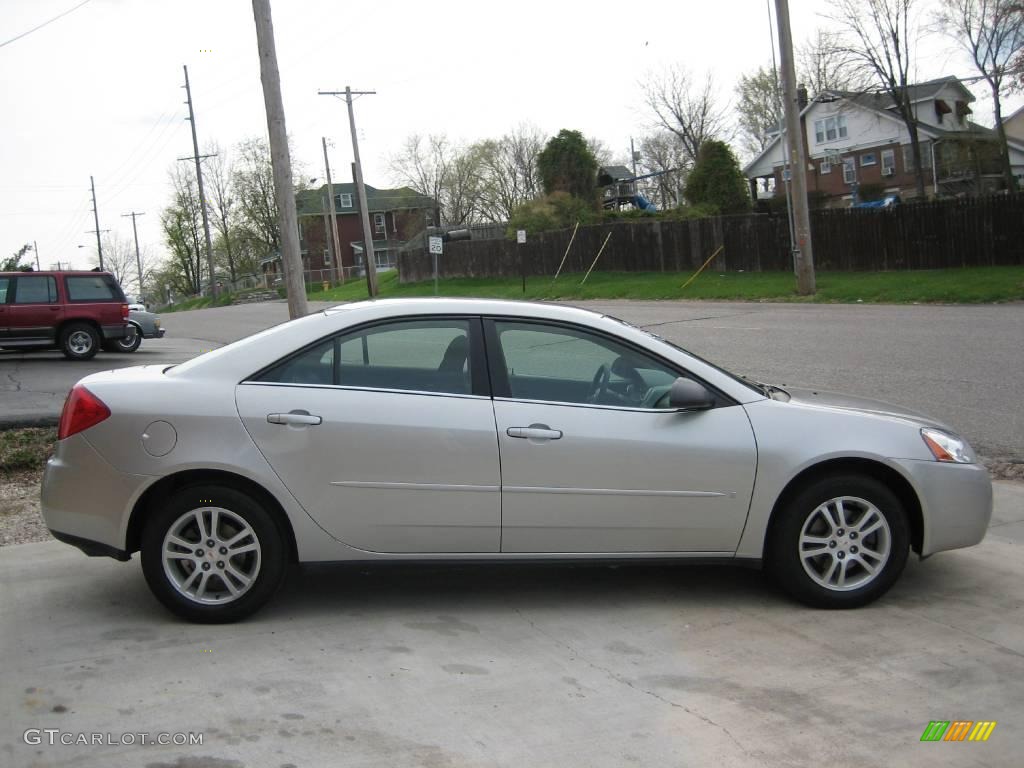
(77, 312)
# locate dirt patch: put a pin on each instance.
(20, 519)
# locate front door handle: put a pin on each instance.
(295, 418)
(535, 432)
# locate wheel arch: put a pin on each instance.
(69, 320)
(168, 485)
(877, 470)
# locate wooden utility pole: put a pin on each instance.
(803, 252)
(199, 181)
(96, 218)
(280, 160)
(357, 177)
(35, 247)
(339, 270)
(138, 257)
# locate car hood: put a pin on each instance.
(817, 397)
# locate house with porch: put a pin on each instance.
(854, 140)
(396, 215)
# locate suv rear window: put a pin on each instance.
(98, 288)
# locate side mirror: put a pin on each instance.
(689, 395)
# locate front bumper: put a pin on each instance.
(156, 334)
(85, 499)
(956, 502)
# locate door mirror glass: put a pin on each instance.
(689, 395)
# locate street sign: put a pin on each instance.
(436, 244)
(520, 236)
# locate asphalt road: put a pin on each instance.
(515, 666)
(962, 364)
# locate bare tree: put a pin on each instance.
(823, 65)
(508, 171)
(448, 173)
(759, 109)
(689, 110)
(225, 210)
(992, 34)
(663, 153)
(182, 225)
(253, 182)
(119, 259)
(879, 35)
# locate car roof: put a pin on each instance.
(31, 273)
(458, 306)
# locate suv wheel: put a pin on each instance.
(79, 341)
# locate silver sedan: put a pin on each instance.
(491, 430)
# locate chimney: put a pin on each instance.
(801, 96)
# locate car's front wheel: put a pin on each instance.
(840, 542)
(126, 344)
(213, 554)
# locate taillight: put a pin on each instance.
(82, 410)
(124, 311)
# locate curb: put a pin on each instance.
(29, 420)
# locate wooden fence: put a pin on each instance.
(949, 233)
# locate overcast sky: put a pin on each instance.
(98, 92)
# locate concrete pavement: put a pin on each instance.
(517, 666)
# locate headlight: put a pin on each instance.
(947, 447)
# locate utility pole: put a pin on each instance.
(280, 160)
(96, 218)
(339, 271)
(138, 258)
(357, 175)
(35, 247)
(797, 157)
(199, 179)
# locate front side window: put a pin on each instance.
(569, 365)
(93, 288)
(412, 355)
(36, 290)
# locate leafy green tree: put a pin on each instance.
(555, 211)
(716, 179)
(567, 164)
(14, 263)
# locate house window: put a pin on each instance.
(908, 156)
(888, 162)
(826, 166)
(344, 200)
(830, 129)
(384, 259)
(849, 170)
(327, 256)
(379, 224)
(868, 158)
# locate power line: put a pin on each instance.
(44, 24)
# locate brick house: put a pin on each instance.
(855, 140)
(396, 215)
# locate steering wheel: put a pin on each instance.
(599, 385)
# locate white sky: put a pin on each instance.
(99, 93)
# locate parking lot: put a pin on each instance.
(554, 665)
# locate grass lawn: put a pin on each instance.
(969, 285)
(26, 449)
(201, 302)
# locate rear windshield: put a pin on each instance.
(94, 288)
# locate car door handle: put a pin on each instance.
(296, 418)
(534, 433)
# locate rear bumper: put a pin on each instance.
(956, 502)
(85, 499)
(117, 331)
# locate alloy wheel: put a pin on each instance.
(844, 543)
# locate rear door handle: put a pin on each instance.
(295, 418)
(534, 432)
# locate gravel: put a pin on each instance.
(20, 520)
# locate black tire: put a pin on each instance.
(270, 560)
(123, 345)
(786, 554)
(79, 341)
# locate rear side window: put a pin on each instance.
(36, 290)
(93, 288)
(417, 355)
(4, 282)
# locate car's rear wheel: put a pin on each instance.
(126, 344)
(841, 542)
(79, 341)
(213, 554)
